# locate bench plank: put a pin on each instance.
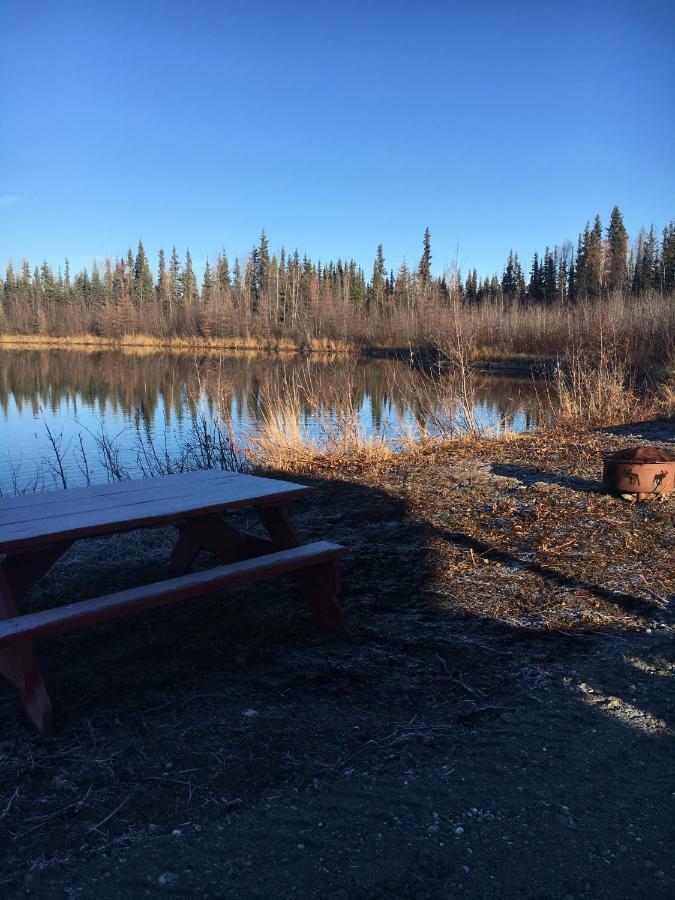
(99, 609)
(27, 521)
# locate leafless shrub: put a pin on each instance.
(595, 389)
(55, 462)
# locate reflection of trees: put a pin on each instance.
(178, 385)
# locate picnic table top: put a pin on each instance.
(31, 520)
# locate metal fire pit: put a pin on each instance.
(639, 472)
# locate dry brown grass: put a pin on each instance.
(286, 440)
(586, 390)
(665, 395)
(39, 341)
(150, 343)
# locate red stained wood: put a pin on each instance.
(36, 530)
(99, 609)
(31, 521)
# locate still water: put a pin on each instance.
(78, 395)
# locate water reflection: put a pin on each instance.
(75, 393)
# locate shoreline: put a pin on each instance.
(484, 359)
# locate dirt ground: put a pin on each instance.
(496, 722)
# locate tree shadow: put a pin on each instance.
(528, 475)
(629, 602)
(657, 430)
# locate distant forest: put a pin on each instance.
(286, 294)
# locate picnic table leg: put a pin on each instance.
(212, 533)
(319, 584)
(184, 553)
(17, 575)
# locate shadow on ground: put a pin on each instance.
(227, 748)
(527, 475)
(657, 430)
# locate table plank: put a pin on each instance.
(99, 609)
(38, 519)
(109, 499)
(161, 482)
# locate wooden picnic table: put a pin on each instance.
(37, 529)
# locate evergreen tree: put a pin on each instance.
(378, 285)
(10, 283)
(595, 262)
(646, 263)
(108, 280)
(471, 287)
(518, 278)
(581, 277)
(207, 283)
(425, 262)
(402, 292)
(260, 259)
(536, 287)
(509, 278)
(143, 289)
(163, 283)
(572, 282)
(48, 282)
(617, 239)
(223, 274)
(237, 283)
(549, 277)
(97, 287)
(174, 280)
(187, 281)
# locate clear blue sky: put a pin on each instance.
(332, 125)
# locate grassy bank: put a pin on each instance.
(147, 342)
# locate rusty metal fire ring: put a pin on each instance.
(639, 471)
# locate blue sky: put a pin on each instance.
(332, 125)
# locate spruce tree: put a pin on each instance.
(646, 279)
(617, 239)
(260, 259)
(508, 278)
(163, 283)
(536, 287)
(143, 290)
(107, 280)
(549, 277)
(518, 278)
(595, 260)
(378, 284)
(174, 280)
(48, 283)
(207, 283)
(97, 287)
(187, 281)
(572, 282)
(10, 283)
(223, 274)
(425, 262)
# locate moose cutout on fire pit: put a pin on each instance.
(639, 472)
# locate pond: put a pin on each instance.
(72, 397)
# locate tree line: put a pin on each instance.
(268, 293)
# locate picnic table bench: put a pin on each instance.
(37, 529)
